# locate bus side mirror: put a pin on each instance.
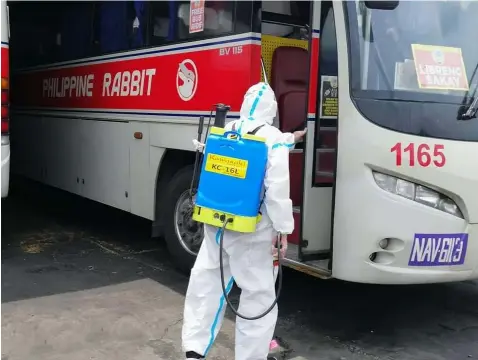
(381, 5)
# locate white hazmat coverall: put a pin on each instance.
(247, 257)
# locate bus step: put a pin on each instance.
(328, 128)
(326, 150)
(324, 173)
(317, 268)
(315, 255)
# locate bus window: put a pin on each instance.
(286, 60)
(73, 37)
(247, 17)
(328, 62)
(277, 7)
(138, 38)
(163, 21)
(170, 20)
(290, 18)
(300, 10)
(116, 20)
(33, 35)
(391, 54)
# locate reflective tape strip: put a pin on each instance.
(218, 316)
(287, 145)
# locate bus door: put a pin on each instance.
(289, 49)
(321, 144)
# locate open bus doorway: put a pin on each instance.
(303, 71)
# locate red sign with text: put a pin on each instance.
(439, 67)
(186, 81)
(196, 16)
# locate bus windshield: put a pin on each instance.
(421, 58)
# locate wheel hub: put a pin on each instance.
(189, 232)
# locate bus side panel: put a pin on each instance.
(141, 184)
(255, 65)
(93, 108)
(147, 81)
(27, 146)
(105, 162)
(60, 139)
(87, 157)
(174, 135)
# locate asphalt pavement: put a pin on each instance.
(81, 280)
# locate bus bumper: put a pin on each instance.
(404, 242)
(405, 271)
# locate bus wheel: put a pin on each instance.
(183, 235)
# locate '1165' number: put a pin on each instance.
(423, 155)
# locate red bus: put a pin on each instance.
(110, 94)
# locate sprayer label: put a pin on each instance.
(225, 165)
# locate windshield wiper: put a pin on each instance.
(470, 112)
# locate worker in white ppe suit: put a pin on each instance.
(248, 257)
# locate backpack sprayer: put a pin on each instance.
(232, 161)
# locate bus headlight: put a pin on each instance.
(418, 193)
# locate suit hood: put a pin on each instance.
(258, 108)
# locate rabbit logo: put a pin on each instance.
(187, 79)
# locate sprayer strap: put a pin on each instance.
(262, 201)
(252, 132)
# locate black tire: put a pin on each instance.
(179, 183)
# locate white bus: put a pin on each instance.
(5, 73)
(385, 187)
